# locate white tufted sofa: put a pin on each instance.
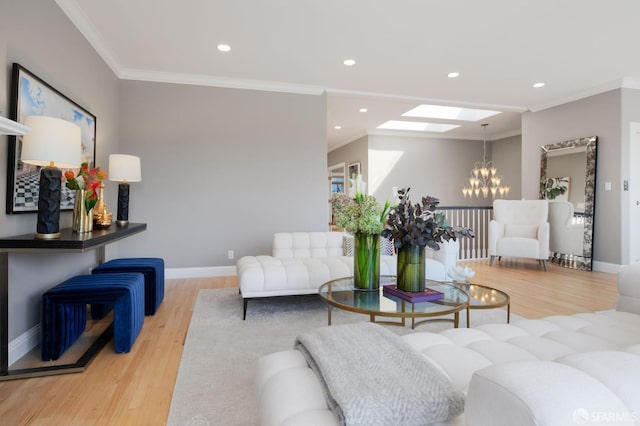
(559, 370)
(302, 261)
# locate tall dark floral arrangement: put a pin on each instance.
(420, 224)
(412, 228)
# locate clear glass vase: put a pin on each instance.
(411, 272)
(366, 261)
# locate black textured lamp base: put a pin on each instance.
(48, 225)
(123, 204)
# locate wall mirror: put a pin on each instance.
(567, 180)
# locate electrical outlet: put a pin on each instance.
(230, 254)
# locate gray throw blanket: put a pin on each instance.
(372, 377)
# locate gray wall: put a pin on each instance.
(506, 154)
(599, 116)
(430, 166)
(39, 36)
(353, 152)
(223, 169)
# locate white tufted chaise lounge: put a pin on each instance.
(302, 261)
(550, 371)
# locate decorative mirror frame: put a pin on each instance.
(583, 262)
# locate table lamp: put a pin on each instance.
(51, 143)
(124, 168)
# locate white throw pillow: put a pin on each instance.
(521, 231)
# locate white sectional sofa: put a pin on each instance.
(559, 370)
(302, 261)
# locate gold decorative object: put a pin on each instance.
(82, 219)
(101, 216)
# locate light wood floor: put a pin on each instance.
(136, 388)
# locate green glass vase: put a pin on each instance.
(366, 261)
(410, 274)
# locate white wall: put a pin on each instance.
(629, 207)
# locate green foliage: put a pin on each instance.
(360, 214)
(555, 187)
(420, 225)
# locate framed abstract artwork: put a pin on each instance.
(30, 95)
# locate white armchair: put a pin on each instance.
(519, 229)
(565, 236)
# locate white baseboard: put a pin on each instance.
(24, 343)
(610, 268)
(211, 271)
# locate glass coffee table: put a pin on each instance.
(483, 297)
(341, 294)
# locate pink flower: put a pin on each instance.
(90, 180)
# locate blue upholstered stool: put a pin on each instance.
(64, 310)
(153, 270)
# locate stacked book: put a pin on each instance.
(427, 295)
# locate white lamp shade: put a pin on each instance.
(124, 168)
(51, 140)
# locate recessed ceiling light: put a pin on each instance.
(453, 74)
(363, 110)
(416, 126)
(349, 62)
(337, 127)
(224, 47)
(538, 85)
(449, 113)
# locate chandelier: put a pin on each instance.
(484, 177)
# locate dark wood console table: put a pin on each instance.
(71, 242)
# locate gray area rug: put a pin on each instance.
(215, 383)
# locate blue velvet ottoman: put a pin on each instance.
(153, 270)
(64, 310)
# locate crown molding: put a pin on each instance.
(81, 21)
(506, 134)
(417, 99)
(420, 135)
(213, 81)
(83, 24)
(611, 85)
(631, 83)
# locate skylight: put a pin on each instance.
(450, 113)
(416, 126)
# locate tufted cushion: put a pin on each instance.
(489, 350)
(307, 244)
(262, 276)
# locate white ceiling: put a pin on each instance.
(403, 49)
